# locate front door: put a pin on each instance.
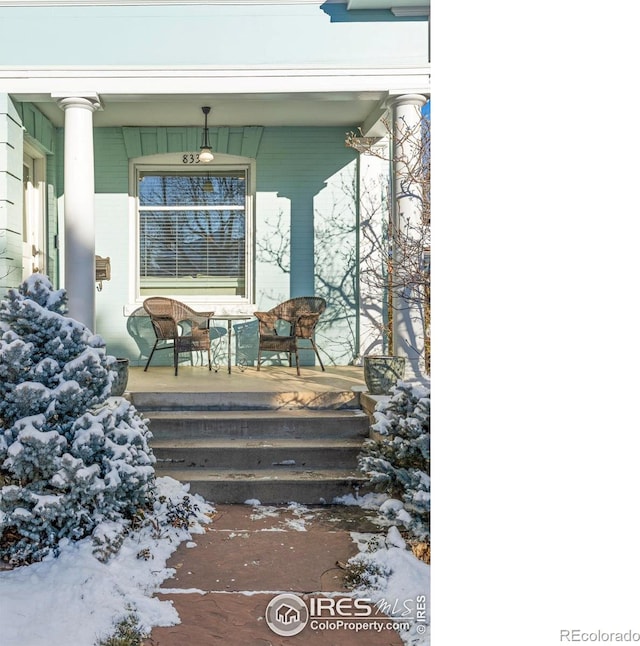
(33, 220)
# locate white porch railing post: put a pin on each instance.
(79, 216)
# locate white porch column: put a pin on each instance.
(408, 325)
(79, 217)
(373, 245)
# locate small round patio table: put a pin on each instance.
(229, 318)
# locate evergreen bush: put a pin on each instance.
(71, 456)
(397, 460)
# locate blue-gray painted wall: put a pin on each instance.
(234, 35)
(305, 230)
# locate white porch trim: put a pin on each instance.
(212, 80)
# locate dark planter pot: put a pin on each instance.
(121, 368)
(382, 373)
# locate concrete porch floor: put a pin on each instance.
(267, 379)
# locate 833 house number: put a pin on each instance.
(191, 158)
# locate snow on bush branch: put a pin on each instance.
(397, 462)
(71, 456)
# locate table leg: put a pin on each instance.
(229, 345)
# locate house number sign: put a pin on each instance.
(191, 158)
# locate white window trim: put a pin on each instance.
(173, 161)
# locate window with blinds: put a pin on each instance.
(192, 229)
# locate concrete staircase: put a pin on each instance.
(273, 447)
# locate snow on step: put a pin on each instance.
(271, 486)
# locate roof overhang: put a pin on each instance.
(397, 7)
(238, 97)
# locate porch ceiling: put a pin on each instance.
(287, 109)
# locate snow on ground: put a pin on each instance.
(402, 581)
(368, 501)
(76, 599)
(301, 512)
(402, 586)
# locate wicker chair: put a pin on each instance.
(301, 316)
(141, 331)
(179, 327)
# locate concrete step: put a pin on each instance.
(245, 455)
(271, 486)
(245, 400)
(274, 447)
(251, 424)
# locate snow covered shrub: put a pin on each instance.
(397, 462)
(128, 632)
(363, 572)
(71, 457)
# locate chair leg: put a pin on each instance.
(175, 359)
(209, 355)
(149, 359)
(259, 358)
(315, 347)
(297, 360)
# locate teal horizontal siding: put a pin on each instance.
(111, 162)
(38, 126)
(241, 141)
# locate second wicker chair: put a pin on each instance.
(301, 316)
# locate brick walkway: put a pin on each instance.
(247, 556)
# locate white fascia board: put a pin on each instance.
(142, 81)
(411, 12)
(393, 5)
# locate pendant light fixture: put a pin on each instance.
(205, 149)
